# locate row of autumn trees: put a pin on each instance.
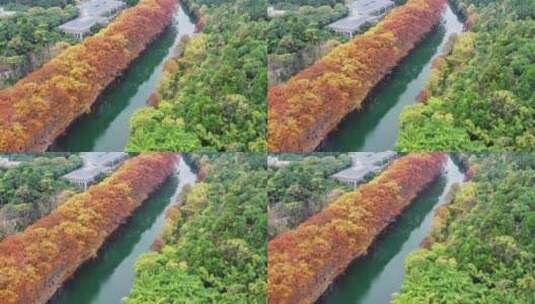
(34, 263)
(41, 106)
(481, 96)
(213, 94)
(215, 242)
(311, 104)
(303, 262)
(482, 249)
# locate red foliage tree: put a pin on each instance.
(311, 104)
(41, 106)
(34, 263)
(303, 262)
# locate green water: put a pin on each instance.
(374, 278)
(375, 128)
(105, 129)
(108, 278)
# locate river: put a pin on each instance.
(373, 278)
(106, 129)
(109, 277)
(375, 128)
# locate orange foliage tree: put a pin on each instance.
(41, 106)
(303, 262)
(34, 263)
(312, 103)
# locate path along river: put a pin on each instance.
(375, 128)
(109, 277)
(105, 129)
(373, 278)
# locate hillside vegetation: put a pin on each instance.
(298, 191)
(481, 96)
(215, 242)
(484, 251)
(213, 94)
(33, 189)
(300, 36)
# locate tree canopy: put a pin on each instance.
(37, 261)
(304, 110)
(213, 94)
(304, 261)
(483, 249)
(39, 107)
(481, 96)
(302, 189)
(215, 242)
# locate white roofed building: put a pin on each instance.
(363, 164)
(96, 164)
(371, 7)
(92, 12)
(349, 25)
(363, 12)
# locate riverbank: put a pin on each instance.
(305, 261)
(378, 275)
(214, 95)
(309, 106)
(492, 64)
(36, 262)
(214, 245)
(375, 127)
(67, 86)
(109, 277)
(482, 249)
(106, 126)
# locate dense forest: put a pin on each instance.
(300, 37)
(298, 191)
(33, 189)
(30, 38)
(213, 94)
(36, 262)
(482, 95)
(305, 261)
(40, 106)
(483, 250)
(27, 32)
(312, 103)
(215, 242)
(35, 180)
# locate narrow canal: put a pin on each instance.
(105, 129)
(373, 278)
(109, 277)
(375, 128)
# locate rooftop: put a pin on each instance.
(88, 174)
(362, 164)
(99, 7)
(101, 159)
(6, 163)
(95, 164)
(81, 24)
(370, 7)
(92, 12)
(4, 13)
(350, 24)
